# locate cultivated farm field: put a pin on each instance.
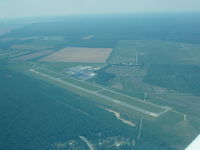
(80, 54)
(33, 55)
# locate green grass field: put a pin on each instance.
(132, 101)
(155, 52)
(124, 52)
(39, 44)
(168, 67)
(181, 78)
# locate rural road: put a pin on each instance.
(91, 147)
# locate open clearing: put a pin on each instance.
(10, 54)
(31, 47)
(155, 52)
(33, 55)
(118, 116)
(80, 54)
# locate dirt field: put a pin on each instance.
(80, 54)
(32, 47)
(33, 55)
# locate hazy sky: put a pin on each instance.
(21, 8)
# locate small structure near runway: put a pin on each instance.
(82, 72)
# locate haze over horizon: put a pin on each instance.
(28, 8)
